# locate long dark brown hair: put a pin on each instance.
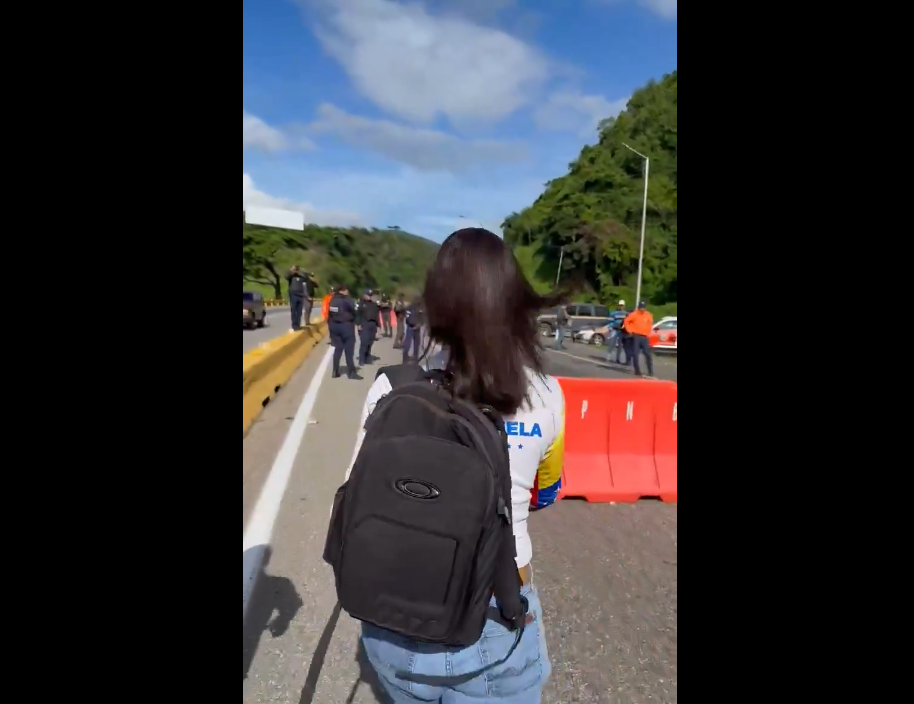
(481, 308)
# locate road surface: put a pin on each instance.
(278, 323)
(585, 361)
(608, 574)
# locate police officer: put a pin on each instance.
(300, 288)
(414, 320)
(341, 322)
(386, 306)
(367, 318)
(400, 311)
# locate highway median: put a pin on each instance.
(267, 369)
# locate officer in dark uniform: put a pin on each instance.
(298, 292)
(386, 311)
(368, 319)
(341, 323)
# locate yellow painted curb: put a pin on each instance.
(266, 370)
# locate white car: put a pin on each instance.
(665, 336)
(592, 334)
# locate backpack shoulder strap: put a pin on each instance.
(401, 374)
(405, 374)
(511, 607)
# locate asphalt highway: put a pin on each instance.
(587, 362)
(608, 575)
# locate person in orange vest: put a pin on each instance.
(639, 325)
(326, 309)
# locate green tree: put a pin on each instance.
(391, 260)
(262, 248)
(593, 214)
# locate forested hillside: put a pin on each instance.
(390, 260)
(595, 211)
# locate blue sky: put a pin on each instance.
(412, 114)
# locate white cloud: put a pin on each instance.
(420, 67)
(252, 196)
(421, 148)
(667, 9)
(571, 111)
(475, 10)
(257, 134)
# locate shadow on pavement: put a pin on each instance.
(274, 604)
(319, 657)
(367, 674)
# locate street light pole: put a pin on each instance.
(558, 277)
(647, 183)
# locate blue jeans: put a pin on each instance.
(615, 344)
(641, 345)
(412, 341)
(559, 338)
(519, 681)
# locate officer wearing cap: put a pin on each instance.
(368, 318)
(341, 322)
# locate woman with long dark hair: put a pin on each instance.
(480, 313)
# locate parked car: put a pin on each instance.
(665, 335)
(595, 334)
(581, 315)
(253, 311)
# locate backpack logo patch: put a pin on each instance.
(418, 489)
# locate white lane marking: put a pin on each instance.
(596, 362)
(263, 519)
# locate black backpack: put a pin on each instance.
(421, 536)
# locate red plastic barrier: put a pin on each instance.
(622, 440)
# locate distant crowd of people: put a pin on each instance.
(373, 314)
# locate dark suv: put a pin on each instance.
(253, 311)
(580, 316)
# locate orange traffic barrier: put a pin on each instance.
(621, 440)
